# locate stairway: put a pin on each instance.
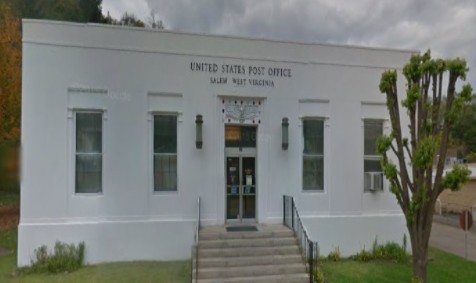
(270, 254)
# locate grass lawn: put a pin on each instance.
(9, 198)
(130, 272)
(444, 268)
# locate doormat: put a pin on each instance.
(241, 229)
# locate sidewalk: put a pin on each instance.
(451, 239)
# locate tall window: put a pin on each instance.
(88, 152)
(373, 177)
(313, 155)
(165, 153)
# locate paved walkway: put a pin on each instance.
(451, 239)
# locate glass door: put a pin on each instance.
(248, 196)
(233, 188)
(240, 188)
(240, 162)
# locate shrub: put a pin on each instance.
(319, 276)
(389, 251)
(363, 255)
(65, 258)
(334, 255)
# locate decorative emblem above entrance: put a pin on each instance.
(242, 110)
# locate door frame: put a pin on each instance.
(240, 153)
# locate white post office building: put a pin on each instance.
(124, 128)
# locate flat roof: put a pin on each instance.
(145, 29)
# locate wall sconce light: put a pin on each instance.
(199, 123)
(285, 125)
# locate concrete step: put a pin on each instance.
(248, 251)
(238, 243)
(277, 233)
(287, 278)
(249, 271)
(249, 261)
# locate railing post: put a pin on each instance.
(284, 210)
(292, 213)
(311, 261)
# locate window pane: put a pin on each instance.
(313, 173)
(372, 130)
(89, 132)
(88, 173)
(313, 136)
(240, 136)
(165, 134)
(372, 166)
(165, 172)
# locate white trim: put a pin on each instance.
(205, 55)
(74, 112)
(323, 155)
(411, 51)
(374, 103)
(313, 100)
(165, 94)
(152, 152)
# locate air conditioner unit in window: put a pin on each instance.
(373, 181)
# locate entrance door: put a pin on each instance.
(240, 165)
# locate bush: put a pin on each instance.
(471, 157)
(363, 255)
(389, 251)
(334, 255)
(65, 258)
(319, 276)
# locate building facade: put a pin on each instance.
(123, 129)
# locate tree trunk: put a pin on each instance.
(419, 255)
(420, 263)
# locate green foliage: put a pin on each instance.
(388, 252)
(387, 81)
(383, 144)
(319, 276)
(412, 70)
(471, 157)
(334, 255)
(458, 67)
(455, 178)
(442, 268)
(363, 255)
(65, 258)
(413, 94)
(389, 169)
(464, 129)
(424, 152)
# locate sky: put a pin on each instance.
(447, 27)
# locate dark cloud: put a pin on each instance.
(447, 27)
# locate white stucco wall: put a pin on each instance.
(149, 71)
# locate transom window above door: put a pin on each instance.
(240, 136)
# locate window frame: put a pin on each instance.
(321, 156)
(154, 154)
(372, 157)
(102, 112)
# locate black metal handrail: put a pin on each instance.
(309, 248)
(195, 245)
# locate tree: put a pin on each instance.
(464, 130)
(63, 10)
(153, 22)
(10, 95)
(131, 20)
(418, 185)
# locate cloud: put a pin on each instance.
(447, 27)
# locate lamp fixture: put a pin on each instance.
(199, 123)
(285, 125)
